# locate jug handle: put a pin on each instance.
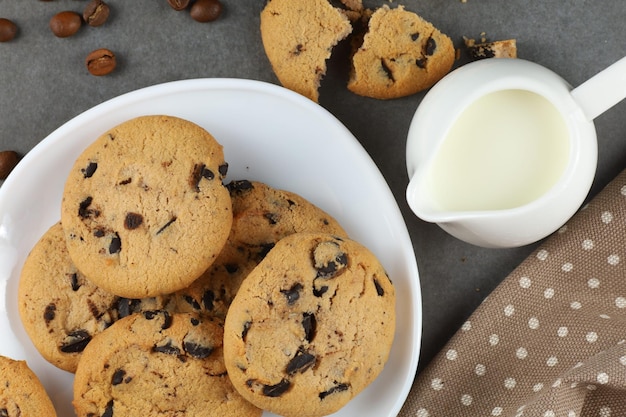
(602, 91)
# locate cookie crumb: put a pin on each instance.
(496, 49)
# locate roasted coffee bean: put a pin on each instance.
(96, 13)
(178, 4)
(206, 10)
(8, 30)
(8, 159)
(101, 62)
(65, 24)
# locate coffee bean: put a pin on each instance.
(206, 10)
(100, 62)
(8, 160)
(64, 24)
(8, 30)
(96, 13)
(178, 4)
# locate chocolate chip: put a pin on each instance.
(191, 301)
(99, 232)
(116, 244)
(421, 62)
(74, 282)
(167, 318)
(239, 186)
(272, 218)
(65, 24)
(265, 248)
(318, 292)
(84, 211)
(309, 323)
(300, 362)
(208, 298)
(4, 412)
(96, 13)
(118, 377)
(276, 390)
(431, 46)
(8, 160)
(244, 332)
(194, 321)
(415, 36)
(197, 351)
(125, 182)
(200, 171)
(127, 306)
(231, 268)
(133, 221)
(108, 411)
(336, 388)
(166, 225)
(76, 341)
(8, 30)
(293, 293)
(166, 348)
(49, 312)
(386, 70)
(205, 10)
(379, 290)
(223, 169)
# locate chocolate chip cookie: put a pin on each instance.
(401, 54)
(144, 209)
(298, 37)
(311, 326)
(61, 310)
(21, 392)
(262, 215)
(156, 364)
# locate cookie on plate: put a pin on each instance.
(401, 54)
(311, 326)
(21, 392)
(60, 309)
(262, 215)
(156, 364)
(144, 209)
(298, 37)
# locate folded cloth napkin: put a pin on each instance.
(550, 340)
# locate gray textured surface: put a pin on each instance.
(43, 84)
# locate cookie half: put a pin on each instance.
(401, 54)
(311, 326)
(62, 310)
(262, 215)
(144, 209)
(21, 392)
(298, 37)
(156, 364)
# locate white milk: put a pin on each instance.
(505, 150)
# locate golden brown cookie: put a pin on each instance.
(298, 36)
(262, 215)
(311, 326)
(144, 209)
(401, 54)
(60, 309)
(21, 392)
(155, 364)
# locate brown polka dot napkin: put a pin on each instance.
(550, 340)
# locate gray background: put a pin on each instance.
(43, 84)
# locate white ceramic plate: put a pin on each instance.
(269, 134)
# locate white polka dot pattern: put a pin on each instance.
(549, 340)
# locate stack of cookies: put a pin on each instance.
(167, 292)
